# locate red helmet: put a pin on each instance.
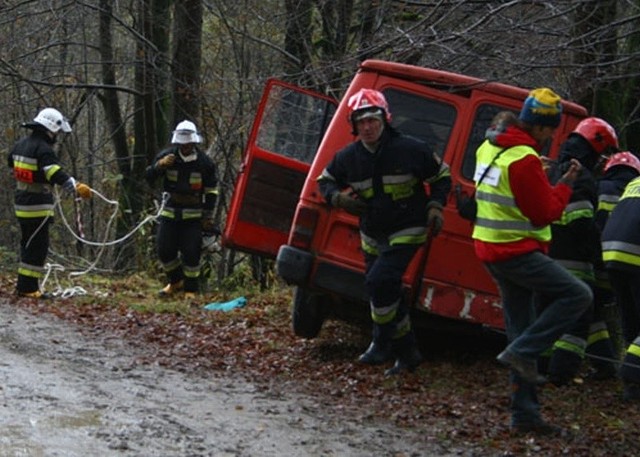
(366, 101)
(599, 133)
(626, 158)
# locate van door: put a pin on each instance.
(287, 129)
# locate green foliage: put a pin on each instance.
(140, 291)
(7, 259)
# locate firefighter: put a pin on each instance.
(516, 205)
(380, 178)
(189, 178)
(621, 256)
(36, 169)
(576, 246)
(619, 170)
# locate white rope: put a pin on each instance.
(60, 291)
(165, 197)
(54, 268)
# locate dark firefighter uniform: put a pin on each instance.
(36, 168)
(610, 188)
(621, 256)
(191, 185)
(390, 181)
(576, 246)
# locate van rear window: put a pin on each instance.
(424, 118)
(293, 123)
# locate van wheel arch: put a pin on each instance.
(308, 313)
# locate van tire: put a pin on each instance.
(308, 313)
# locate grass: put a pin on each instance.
(459, 397)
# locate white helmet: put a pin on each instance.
(185, 133)
(52, 120)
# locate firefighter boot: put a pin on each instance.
(566, 360)
(543, 361)
(380, 350)
(603, 355)
(631, 392)
(35, 294)
(376, 354)
(630, 372)
(408, 356)
(171, 288)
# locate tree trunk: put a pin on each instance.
(185, 68)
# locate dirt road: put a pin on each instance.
(67, 394)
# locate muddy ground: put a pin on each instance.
(68, 393)
(105, 376)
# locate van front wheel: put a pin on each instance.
(308, 314)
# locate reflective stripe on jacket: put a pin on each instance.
(391, 181)
(499, 219)
(192, 185)
(621, 235)
(35, 168)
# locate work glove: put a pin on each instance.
(166, 161)
(69, 185)
(349, 204)
(83, 190)
(434, 217)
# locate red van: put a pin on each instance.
(277, 210)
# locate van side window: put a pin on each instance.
(294, 123)
(424, 118)
(481, 123)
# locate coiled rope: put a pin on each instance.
(55, 268)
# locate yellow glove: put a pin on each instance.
(83, 190)
(166, 161)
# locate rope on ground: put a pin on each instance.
(54, 268)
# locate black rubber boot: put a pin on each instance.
(408, 356)
(630, 371)
(600, 347)
(631, 392)
(543, 361)
(564, 367)
(566, 360)
(376, 354)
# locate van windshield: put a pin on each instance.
(424, 118)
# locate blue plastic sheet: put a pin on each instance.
(226, 306)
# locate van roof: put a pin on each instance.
(453, 82)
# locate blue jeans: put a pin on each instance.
(521, 281)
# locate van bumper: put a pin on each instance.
(293, 264)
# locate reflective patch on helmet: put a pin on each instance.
(367, 113)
